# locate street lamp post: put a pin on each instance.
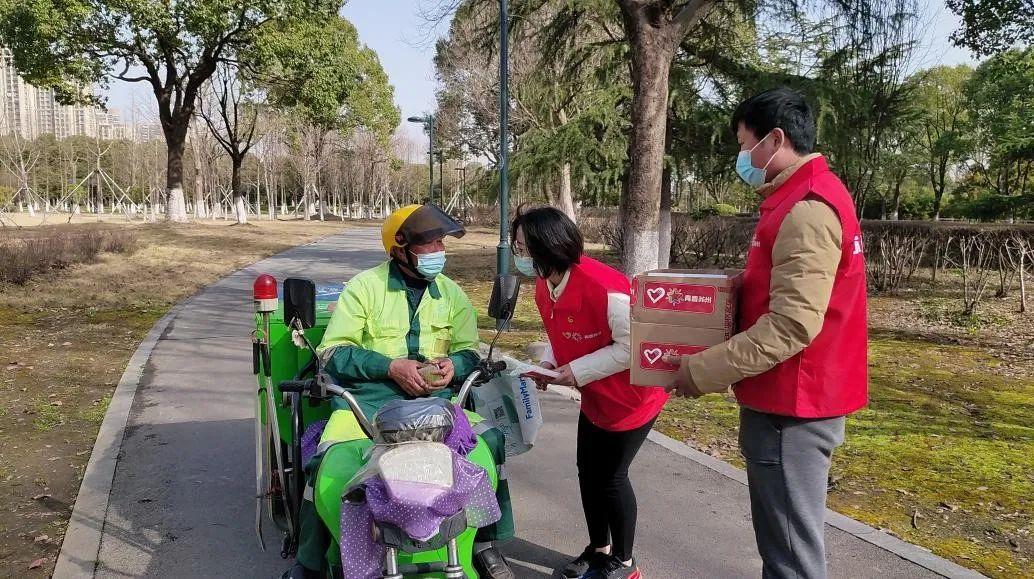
(428, 121)
(503, 251)
(441, 178)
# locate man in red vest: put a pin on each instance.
(799, 366)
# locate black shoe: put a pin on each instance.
(299, 571)
(589, 559)
(490, 564)
(613, 568)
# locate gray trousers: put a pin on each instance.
(787, 470)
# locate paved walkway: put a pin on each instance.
(181, 502)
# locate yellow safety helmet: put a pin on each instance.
(418, 224)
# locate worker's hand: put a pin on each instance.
(684, 385)
(406, 373)
(565, 378)
(541, 382)
(446, 370)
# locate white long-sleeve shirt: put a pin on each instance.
(609, 359)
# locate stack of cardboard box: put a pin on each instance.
(679, 312)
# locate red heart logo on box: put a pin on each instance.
(655, 294)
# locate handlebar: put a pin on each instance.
(485, 371)
(294, 385)
(332, 387)
(325, 383)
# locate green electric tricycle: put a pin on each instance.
(294, 393)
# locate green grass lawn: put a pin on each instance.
(942, 457)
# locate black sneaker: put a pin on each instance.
(614, 568)
(490, 564)
(589, 559)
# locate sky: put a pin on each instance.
(395, 30)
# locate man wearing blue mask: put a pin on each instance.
(798, 365)
(403, 330)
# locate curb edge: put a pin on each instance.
(80, 547)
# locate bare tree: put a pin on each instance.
(974, 255)
(895, 254)
(19, 156)
(233, 123)
(211, 178)
(308, 143)
(271, 151)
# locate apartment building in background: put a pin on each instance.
(32, 112)
(147, 132)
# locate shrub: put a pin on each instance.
(716, 210)
(31, 253)
(714, 242)
(894, 251)
(918, 205)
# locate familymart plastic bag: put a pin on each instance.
(510, 403)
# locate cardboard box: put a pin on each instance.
(691, 298)
(679, 312)
(650, 342)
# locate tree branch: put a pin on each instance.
(134, 78)
(140, 52)
(689, 15)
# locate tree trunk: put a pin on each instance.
(322, 202)
(938, 194)
(896, 209)
(566, 197)
(547, 192)
(664, 217)
(270, 195)
(664, 230)
(100, 188)
(307, 189)
(240, 208)
(176, 206)
(640, 201)
(200, 203)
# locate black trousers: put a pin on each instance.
(607, 496)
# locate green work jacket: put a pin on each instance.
(378, 318)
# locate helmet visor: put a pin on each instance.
(429, 223)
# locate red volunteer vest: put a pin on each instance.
(830, 376)
(577, 325)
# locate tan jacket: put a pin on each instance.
(805, 258)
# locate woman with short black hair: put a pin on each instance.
(584, 306)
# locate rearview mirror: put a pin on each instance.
(300, 302)
(504, 297)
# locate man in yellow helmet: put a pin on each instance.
(389, 322)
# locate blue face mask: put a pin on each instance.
(525, 265)
(745, 168)
(430, 265)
